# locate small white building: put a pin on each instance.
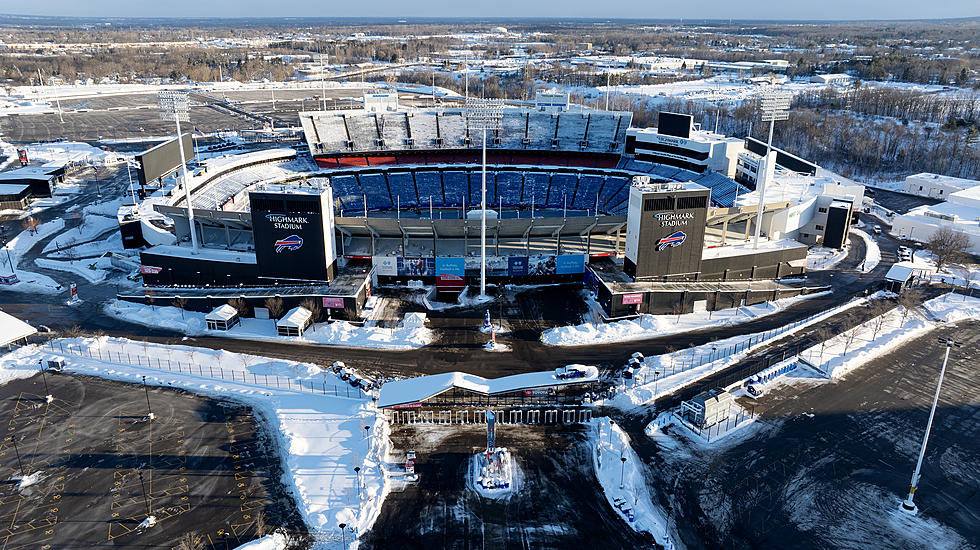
(839, 79)
(905, 274)
(223, 317)
(936, 186)
(294, 322)
(960, 213)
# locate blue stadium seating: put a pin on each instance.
(345, 189)
(402, 189)
(456, 187)
(508, 187)
(429, 185)
(535, 190)
(723, 189)
(377, 191)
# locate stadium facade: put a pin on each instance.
(388, 195)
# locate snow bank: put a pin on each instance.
(336, 333)
(319, 437)
(275, 541)
(683, 367)
(72, 151)
(873, 256)
(849, 350)
(623, 484)
(652, 326)
(819, 257)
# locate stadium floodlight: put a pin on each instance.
(484, 114)
(774, 104)
(908, 505)
(175, 106)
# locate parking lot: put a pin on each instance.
(97, 468)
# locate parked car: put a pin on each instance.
(877, 230)
(338, 366)
(755, 389)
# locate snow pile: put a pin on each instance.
(320, 438)
(27, 481)
(336, 333)
(72, 151)
(493, 476)
(873, 256)
(22, 244)
(853, 348)
(275, 541)
(623, 484)
(653, 326)
(819, 257)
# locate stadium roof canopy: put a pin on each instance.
(415, 390)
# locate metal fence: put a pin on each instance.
(733, 421)
(210, 371)
(479, 416)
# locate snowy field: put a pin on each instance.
(320, 437)
(653, 326)
(336, 333)
(623, 483)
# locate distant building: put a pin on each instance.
(961, 213)
(839, 79)
(936, 186)
(708, 408)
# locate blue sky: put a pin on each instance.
(698, 9)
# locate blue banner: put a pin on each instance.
(517, 266)
(451, 266)
(569, 264)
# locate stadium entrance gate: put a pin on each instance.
(479, 416)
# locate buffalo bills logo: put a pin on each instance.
(673, 239)
(292, 242)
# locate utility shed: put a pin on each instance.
(708, 408)
(294, 322)
(222, 318)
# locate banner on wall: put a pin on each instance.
(385, 265)
(569, 264)
(450, 266)
(541, 264)
(333, 302)
(517, 266)
(416, 267)
(629, 299)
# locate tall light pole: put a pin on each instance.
(174, 105)
(908, 504)
(775, 106)
(484, 114)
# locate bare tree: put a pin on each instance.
(947, 246)
(879, 310)
(314, 306)
(849, 338)
(823, 333)
(260, 526)
(180, 303)
(910, 299)
(151, 297)
(191, 541)
(240, 305)
(275, 307)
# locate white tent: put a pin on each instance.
(13, 330)
(294, 322)
(222, 318)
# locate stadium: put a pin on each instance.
(387, 195)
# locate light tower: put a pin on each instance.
(908, 504)
(775, 106)
(174, 105)
(484, 114)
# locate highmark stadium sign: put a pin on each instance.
(674, 219)
(285, 221)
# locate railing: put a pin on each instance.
(208, 371)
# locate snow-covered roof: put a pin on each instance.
(414, 390)
(13, 188)
(13, 329)
(213, 254)
(903, 271)
(224, 312)
(296, 317)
